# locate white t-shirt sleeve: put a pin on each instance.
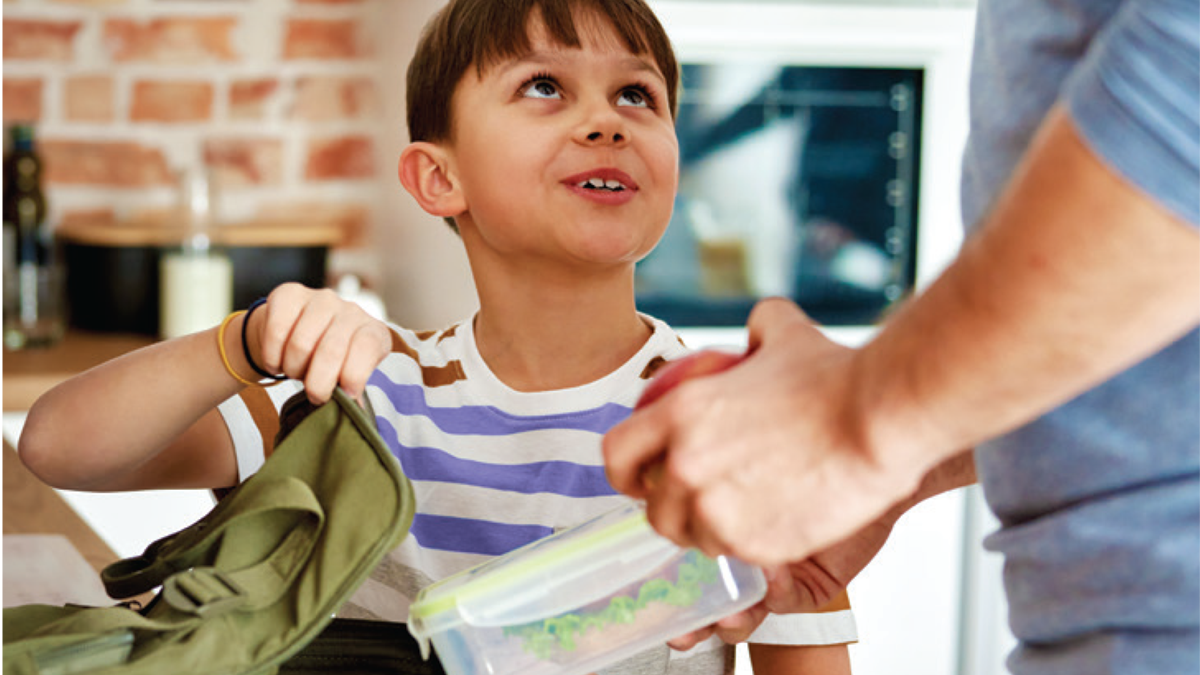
(250, 437)
(822, 628)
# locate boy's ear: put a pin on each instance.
(425, 173)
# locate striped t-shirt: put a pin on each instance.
(493, 469)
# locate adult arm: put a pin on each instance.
(1074, 276)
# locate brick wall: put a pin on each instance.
(281, 97)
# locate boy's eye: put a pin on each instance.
(541, 88)
(634, 97)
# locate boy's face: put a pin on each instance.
(566, 153)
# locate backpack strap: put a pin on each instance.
(285, 506)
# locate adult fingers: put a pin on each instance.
(665, 465)
(770, 316)
(668, 504)
(633, 449)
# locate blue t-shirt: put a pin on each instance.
(1099, 501)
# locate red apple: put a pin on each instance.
(696, 364)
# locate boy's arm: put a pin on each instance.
(149, 420)
(145, 420)
(799, 660)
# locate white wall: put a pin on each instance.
(426, 281)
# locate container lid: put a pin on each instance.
(549, 577)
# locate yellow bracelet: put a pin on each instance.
(225, 357)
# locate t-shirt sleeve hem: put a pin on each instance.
(1134, 100)
(824, 628)
(247, 441)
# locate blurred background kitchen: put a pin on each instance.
(255, 142)
(295, 107)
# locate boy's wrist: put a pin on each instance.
(235, 351)
(229, 346)
(249, 350)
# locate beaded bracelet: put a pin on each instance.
(246, 345)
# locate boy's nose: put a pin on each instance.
(599, 124)
(597, 136)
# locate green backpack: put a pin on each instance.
(250, 584)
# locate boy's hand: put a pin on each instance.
(804, 586)
(317, 337)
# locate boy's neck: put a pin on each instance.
(543, 334)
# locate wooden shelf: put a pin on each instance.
(29, 373)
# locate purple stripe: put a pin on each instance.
(554, 477)
(467, 535)
(486, 420)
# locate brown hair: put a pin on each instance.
(484, 32)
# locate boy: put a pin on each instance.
(544, 130)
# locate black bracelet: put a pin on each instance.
(246, 346)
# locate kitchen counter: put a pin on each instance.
(28, 373)
(32, 507)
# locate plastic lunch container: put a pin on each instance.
(578, 600)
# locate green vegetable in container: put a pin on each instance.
(543, 638)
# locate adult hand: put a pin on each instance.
(317, 337)
(770, 460)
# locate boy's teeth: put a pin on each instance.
(599, 183)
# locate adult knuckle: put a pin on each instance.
(689, 401)
(676, 471)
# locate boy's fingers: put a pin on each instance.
(740, 626)
(285, 308)
(686, 642)
(273, 323)
(309, 329)
(784, 595)
(368, 346)
(731, 629)
(328, 361)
